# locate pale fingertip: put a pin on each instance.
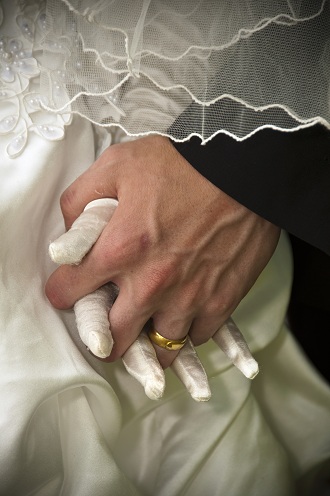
(141, 362)
(230, 339)
(198, 386)
(200, 395)
(99, 344)
(69, 249)
(55, 251)
(154, 391)
(191, 372)
(249, 368)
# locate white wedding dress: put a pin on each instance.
(71, 425)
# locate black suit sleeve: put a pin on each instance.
(282, 176)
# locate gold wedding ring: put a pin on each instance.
(168, 344)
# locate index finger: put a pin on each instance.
(95, 183)
(69, 283)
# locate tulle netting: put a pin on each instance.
(189, 67)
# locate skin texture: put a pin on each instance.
(181, 251)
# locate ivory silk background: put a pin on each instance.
(73, 426)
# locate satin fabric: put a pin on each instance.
(71, 425)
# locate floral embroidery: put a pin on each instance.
(21, 104)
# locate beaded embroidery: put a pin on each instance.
(21, 104)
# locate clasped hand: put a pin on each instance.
(180, 251)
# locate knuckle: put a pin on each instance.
(170, 274)
(218, 306)
(157, 281)
(186, 306)
(213, 309)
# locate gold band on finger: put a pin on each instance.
(168, 344)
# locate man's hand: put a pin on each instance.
(180, 250)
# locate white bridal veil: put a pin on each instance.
(70, 424)
(237, 66)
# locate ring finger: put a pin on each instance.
(168, 336)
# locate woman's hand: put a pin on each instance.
(179, 249)
(140, 359)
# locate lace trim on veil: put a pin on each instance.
(183, 68)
